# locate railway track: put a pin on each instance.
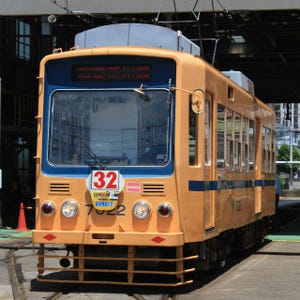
(21, 286)
(15, 276)
(60, 295)
(20, 260)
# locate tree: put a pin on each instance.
(283, 154)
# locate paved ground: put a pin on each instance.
(272, 273)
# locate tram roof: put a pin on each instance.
(136, 34)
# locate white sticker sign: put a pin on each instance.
(105, 187)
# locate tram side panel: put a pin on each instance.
(232, 111)
(189, 170)
(229, 196)
(267, 166)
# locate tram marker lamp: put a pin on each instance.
(48, 208)
(164, 209)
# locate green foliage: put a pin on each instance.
(283, 154)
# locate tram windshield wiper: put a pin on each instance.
(88, 151)
(141, 92)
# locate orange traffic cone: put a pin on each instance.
(22, 220)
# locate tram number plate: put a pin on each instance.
(105, 180)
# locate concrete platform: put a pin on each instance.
(272, 273)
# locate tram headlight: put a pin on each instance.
(164, 209)
(141, 210)
(48, 208)
(69, 209)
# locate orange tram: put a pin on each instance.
(151, 164)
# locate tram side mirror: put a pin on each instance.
(197, 101)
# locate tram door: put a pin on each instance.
(209, 192)
(200, 156)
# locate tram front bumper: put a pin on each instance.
(108, 238)
(122, 259)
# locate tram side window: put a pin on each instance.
(193, 118)
(245, 144)
(237, 142)
(229, 139)
(235, 136)
(220, 136)
(273, 151)
(251, 145)
(267, 150)
(207, 132)
(263, 149)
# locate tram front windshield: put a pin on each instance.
(110, 127)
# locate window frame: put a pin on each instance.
(236, 140)
(23, 40)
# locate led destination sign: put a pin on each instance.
(133, 72)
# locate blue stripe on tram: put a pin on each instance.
(198, 186)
